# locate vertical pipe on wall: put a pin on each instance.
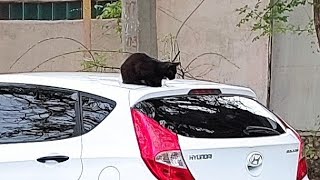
(269, 62)
(130, 26)
(139, 30)
(86, 5)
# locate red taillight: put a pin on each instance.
(302, 169)
(302, 164)
(159, 149)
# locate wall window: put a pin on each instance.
(94, 111)
(58, 10)
(34, 113)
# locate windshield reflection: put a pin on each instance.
(33, 114)
(209, 116)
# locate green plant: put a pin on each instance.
(274, 17)
(95, 65)
(312, 154)
(310, 151)
(112, 11)
(312, 143)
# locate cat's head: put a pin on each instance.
(170, 69)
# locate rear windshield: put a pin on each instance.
(212, 116)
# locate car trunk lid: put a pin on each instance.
(273, 157)
(223, 136)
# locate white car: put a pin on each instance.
(87, 126)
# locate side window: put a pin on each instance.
(33, 113)
(95, 110)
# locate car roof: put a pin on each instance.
(104, 83)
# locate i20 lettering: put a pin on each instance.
(200, 156)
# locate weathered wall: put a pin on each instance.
(213, 29)
(17, 36)
(295, 84)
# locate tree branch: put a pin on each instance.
(48, 39)
(211, 53)
(73, 52)
(169, 15)
(185, 21)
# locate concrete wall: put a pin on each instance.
(295, 83)
(17, 36)
(213, 29)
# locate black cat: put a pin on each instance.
(141, 69)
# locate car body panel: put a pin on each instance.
(19, 161)
(233, 154)
(127, 168)
(111, 148)
(113, 144)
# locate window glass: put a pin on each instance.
(16, 11)
(59, 11)
(4, 11)
(74, 10)
(29, 114)
(30, 11)
(211, 116)
(45, 11)
(94, 111)
(64, 10)
(97, 7)
(93, 9)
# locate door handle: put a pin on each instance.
(59, 159)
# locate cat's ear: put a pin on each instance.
(175, 64)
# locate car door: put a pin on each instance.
(97, 156)
(39, 133)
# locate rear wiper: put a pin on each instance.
(260, 130)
